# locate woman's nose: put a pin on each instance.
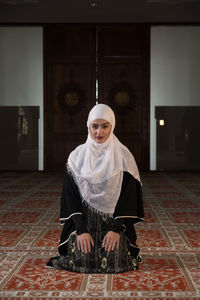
(99, 130)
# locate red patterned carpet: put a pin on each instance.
(169, 240)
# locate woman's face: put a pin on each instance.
(100, 130)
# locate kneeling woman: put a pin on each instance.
(101, 201)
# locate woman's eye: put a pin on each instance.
(105, 126)
(95, 126)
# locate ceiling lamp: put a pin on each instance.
(93, 4)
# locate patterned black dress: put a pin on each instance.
(82, 218)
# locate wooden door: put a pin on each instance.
(78, 55)
(70, 89)
(124, 84)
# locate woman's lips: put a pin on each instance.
(99, 137)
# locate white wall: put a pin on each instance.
(21, 71)
(175, 72)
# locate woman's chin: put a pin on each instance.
(100, 141)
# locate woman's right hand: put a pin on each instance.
(84, 242)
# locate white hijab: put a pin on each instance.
(98, 167)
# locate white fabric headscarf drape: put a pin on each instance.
(98, 167)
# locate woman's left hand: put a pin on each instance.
(111, 241)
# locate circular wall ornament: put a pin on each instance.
(122, 97)
(71, 98)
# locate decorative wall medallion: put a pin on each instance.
(122, 97)
(71, 98)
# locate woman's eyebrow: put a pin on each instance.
(100, 124)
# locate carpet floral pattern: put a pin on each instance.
(169, 240)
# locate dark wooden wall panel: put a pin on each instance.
(123, 75)
(124, 84)
(70, 72)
